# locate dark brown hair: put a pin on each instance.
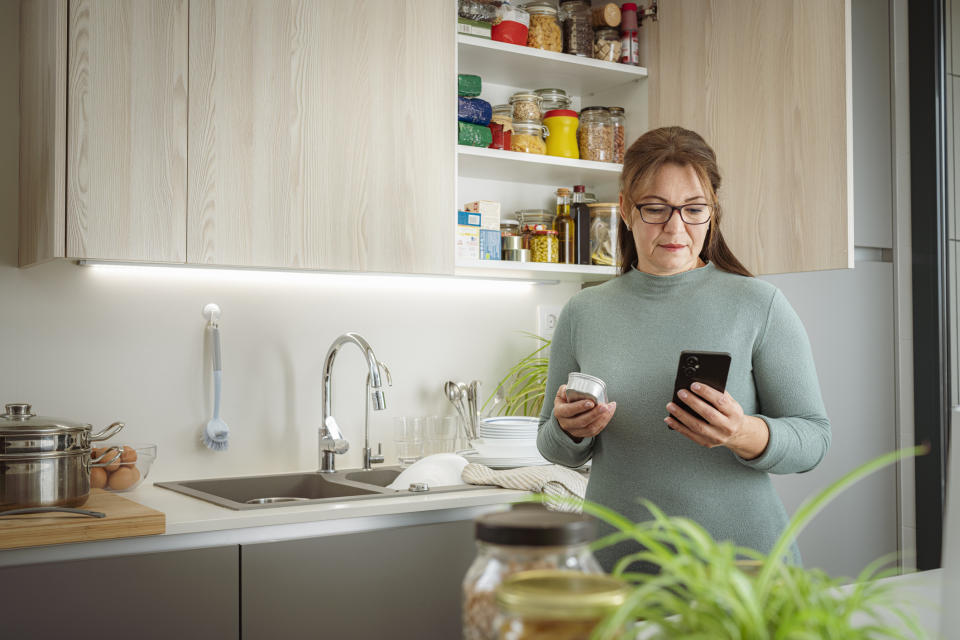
(644, 158)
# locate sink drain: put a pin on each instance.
(274, 500)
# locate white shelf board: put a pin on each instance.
(538, 271)
(530, 68)
(532, 168)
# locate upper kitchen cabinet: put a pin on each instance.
(322, 134)
(768, 85)
(103, 130)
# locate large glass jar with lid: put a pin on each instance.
(551, 99)
(503, 113)
(544, 32)
(618, 118)
(595, 134)
(604, 222)
(559, 605)
(528, 137)
(527, 537)
(533, 220)
(607, 45)
(575, 23)
(526, 106)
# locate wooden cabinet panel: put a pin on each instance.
(321, 134)
(43, 129)
(127, 130)
(768, 85)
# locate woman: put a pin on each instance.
(680, 288)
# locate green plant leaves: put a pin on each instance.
(524, 383)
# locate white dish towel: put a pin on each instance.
(557, 483)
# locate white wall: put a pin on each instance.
(112, 346)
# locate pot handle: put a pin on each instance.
(98, 462)
(82, 512)
(109, 432)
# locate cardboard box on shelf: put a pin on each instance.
(468, 235)
(489, 244)
(489, 213)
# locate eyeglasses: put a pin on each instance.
(660, 213)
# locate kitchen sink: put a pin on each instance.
(289, 489)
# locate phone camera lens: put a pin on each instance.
(692, 361)
(689, 371)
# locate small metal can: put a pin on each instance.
(581, 386)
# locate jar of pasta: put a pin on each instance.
(595, 134)
(526, 106)
(524, 538)
(528, 137)
(544, 32)
(557, 604)
(607, 45)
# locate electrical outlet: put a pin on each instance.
(547, 315)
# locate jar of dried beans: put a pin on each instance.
(595, 134)
(544, 30)
(617, 117)
(525, 538)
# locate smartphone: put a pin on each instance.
(706, 367)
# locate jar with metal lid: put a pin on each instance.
(509, 227)
(551, 99)
(544, 30)
(534, 220)
(45, 462)
(556, 604)
(575, 22)
(545, 246)
(524, 538)
(595, 134)
(604, 222)
(526, 106)
(607, 45)
(618, 118)
(528, 137)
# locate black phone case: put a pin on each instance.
(706, 367)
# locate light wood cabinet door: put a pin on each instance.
(768, 86)
(321, 134)
(127, 130)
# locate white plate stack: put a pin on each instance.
(506, 442)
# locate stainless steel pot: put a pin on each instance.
(46, 462)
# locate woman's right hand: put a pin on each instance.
(581, 419)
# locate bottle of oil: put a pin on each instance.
(566, 228)
(580, 213)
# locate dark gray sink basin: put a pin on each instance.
(288, 489)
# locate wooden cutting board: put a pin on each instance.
(125, 518)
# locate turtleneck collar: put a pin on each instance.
(650, 282)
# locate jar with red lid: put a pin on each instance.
(562, 127)
(545, 246)
(511, 24)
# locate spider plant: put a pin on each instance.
(704, 590)
(524, 383)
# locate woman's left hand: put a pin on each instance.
(723, 424)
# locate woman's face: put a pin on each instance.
(671, 247)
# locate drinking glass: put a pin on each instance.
(408, 438)
(440, 435)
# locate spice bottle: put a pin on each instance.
(580, 213)
(566, 228)
(618, 118)
(560, 605)
(629, 34)
(523, 538)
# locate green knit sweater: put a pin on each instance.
(629, 332)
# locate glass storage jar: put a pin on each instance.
(526, 106)
(604, 222)
(528, 137)
(481, 10)
(607, 45)
(544, 30)
(560, 605)
(618, 118)
(562, 127)
(551, 99)
(524, 538)
(545, 246)
(503, 113)
(595, 134)
(575, 18)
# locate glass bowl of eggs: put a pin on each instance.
(124, 473)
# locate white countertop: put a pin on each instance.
(194, 523)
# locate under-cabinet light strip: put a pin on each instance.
(266, 275)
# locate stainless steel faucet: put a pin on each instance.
(332, 441)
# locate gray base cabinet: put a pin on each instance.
(174, 594)
(394, 583)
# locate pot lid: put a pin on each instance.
(19, 418)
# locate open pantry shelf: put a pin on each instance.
(518, 66)
(514, 166)
(538, 271)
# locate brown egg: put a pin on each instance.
(123, 478)
(111, 452)
(129, 454)
(98, 478)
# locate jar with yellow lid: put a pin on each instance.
(562, 141)
(557, 604)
